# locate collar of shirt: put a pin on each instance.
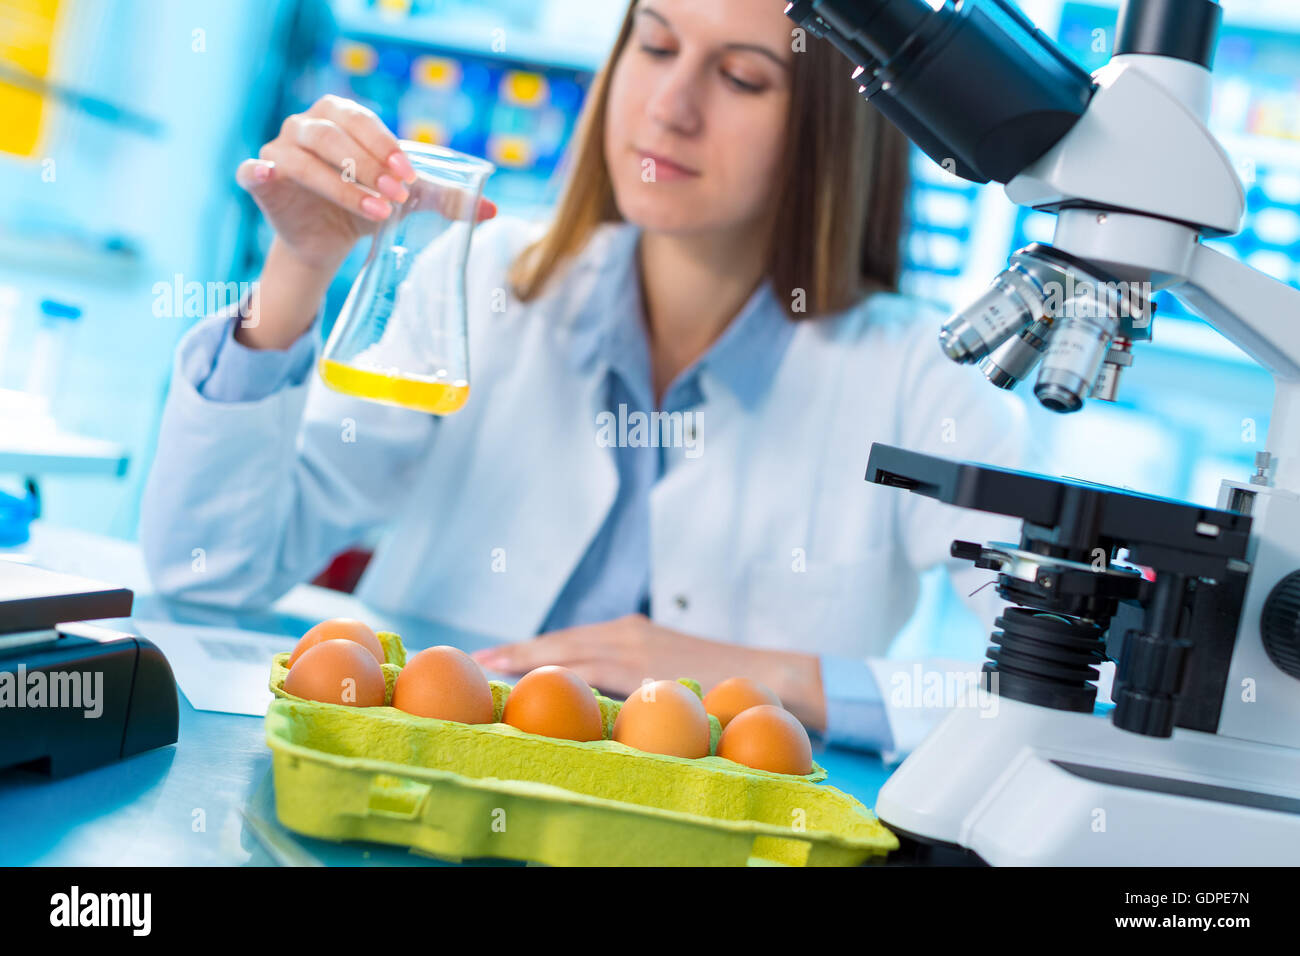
(611, 329)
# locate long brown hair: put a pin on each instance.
(844, 176)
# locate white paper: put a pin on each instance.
(219, 669)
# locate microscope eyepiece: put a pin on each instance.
(915, 61)
(882, 26)
(1182, 29)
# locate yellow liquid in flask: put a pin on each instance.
(436, 398)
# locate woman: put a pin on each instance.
(725, 249)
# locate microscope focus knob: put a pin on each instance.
(1279, 624)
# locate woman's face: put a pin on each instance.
(697, 112)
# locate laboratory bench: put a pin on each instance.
(208, 799)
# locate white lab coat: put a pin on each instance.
(770, 538)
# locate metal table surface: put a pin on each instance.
(208, 800)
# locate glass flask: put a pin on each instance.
(400, 338)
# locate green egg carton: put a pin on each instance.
(459, 791)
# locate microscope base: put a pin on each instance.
(1019, 784)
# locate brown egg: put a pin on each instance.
(337, 672)
(767, 738)
(664, 717)
(339, 628)
(554, 702)
(735, 694)
(444, 682)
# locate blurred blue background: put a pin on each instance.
(116, 188)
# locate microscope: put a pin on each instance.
(1198, 762)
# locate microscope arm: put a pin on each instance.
(1254, 311)
(1262, 316)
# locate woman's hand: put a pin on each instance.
(329, 178)
(616, 656)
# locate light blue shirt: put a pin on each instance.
(613, 577)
